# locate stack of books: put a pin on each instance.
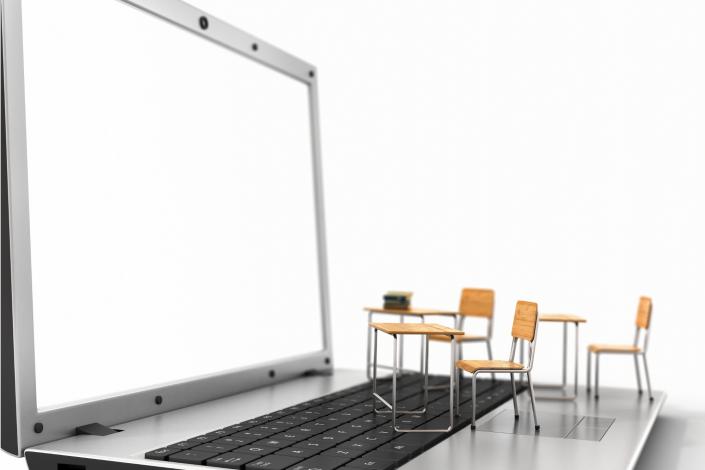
(397, 299)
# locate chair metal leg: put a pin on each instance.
(369, 344)
(638, 375)
(521, 359)
(648, 379)
(589, 366)
(597, 376)
(489, 356)
(394, 383)
(459, 377)
(451, 386)
(533, 401)
(514, 397)
(474, 400)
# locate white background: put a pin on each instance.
(553, 151)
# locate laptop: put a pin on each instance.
(165, 298)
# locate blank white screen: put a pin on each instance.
(171, 204)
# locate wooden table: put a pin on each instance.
(565, 319)
(415, 312)
(397, 330)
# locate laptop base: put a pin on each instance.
(631, 418)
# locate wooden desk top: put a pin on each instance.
(562, 318)
(412, 311)
(416, 329)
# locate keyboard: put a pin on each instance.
(339, 430)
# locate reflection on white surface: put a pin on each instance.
(171, 204)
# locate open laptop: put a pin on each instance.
(164, 271)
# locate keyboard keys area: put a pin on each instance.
(337, 431)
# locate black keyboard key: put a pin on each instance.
(269, 429)
(318, 445)
(217, 448)
(401, 447)
(362, 445)
(284, 423)
(204, 439)
(291, 436)
(378, 454)
(419, 439)
(161, 454)
(237, 428)
(183, 445)
(254, 422)
(297, 452)
(254, 433)
(374, 439)
(303, 417)
(320, 426)
(331, 437)
(309, 430)
(256, 450)
(372, 464)
(269, 417)
(234, 441)
(372, 421)
(231, 460)
(270, 442)
(321, 462)
(348, 453)
(272, 462)
(192, 457)
(347, 431)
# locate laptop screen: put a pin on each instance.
(172, 212)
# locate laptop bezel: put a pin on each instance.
(23, 425)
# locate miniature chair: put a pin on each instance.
(473, 303)
(525, 327)
(643, 322)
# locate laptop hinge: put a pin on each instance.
(95, 429)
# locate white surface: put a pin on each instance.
(171, 203)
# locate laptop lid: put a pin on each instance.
(163, 234)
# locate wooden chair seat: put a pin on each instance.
(613, 348)
(460, 339)
(475, 365)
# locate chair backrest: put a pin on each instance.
(643, 313)
(526, 317)
(477, 303)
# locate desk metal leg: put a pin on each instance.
(424, 354)
(577, 352)
(401, 345)
(451, 388)
(564, 382)
(565, 354)
(424, 364)
(395, 369)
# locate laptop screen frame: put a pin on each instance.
(23, 425)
